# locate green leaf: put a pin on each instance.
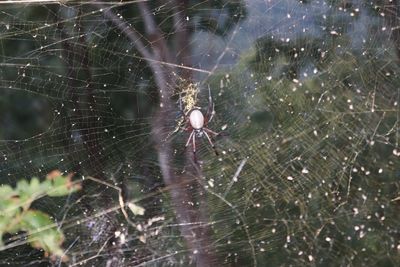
(42, 232)
(8, 200)
(62, 186)
(34, 185)
(9, 207)
(22, 187)
(25, 193)
(15, 214)
(6, 192)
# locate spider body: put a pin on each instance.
(196, 119)
(196, 124)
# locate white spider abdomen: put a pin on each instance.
(196, 119)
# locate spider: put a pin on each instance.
(196, 124)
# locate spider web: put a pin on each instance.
(306, 96)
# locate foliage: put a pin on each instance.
(16, 214)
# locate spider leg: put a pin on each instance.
(211, 143)
(190, 137)
(194, 148)
(194, 143)
(210, 110)
(210, 131)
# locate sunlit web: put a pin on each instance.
(306, 91)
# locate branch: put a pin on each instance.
(183, 56)
(151, 59)
(160, 63)
(182, 36)
(157, 41)
(126, 29)
(180, 195)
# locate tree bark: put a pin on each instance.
(163, 67)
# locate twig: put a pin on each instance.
(120, 198)
(182, 34)
(126, 29)
(235, 176)
(157, 60)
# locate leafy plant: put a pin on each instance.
(16, 214)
